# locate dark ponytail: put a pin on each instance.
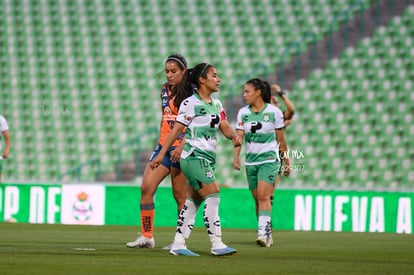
(267, 93)
(263, 86)
(200, 70)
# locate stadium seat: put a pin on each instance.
(371, 105)
(102, 63)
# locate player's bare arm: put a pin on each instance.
(280, 138)
(175, 132)
(237, 150)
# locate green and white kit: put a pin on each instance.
(262, 150)
(199, 153)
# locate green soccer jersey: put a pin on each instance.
(3, 127)
(202, 121)
(259, 133)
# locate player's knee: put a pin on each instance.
(180, 200)
(263, 198)
(147, 191)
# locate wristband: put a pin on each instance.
(281, 93)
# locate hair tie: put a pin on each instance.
(204, 68)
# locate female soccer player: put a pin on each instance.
(202, 115)
(287, 116)
(261, 125)
(173, 93)
(4, 130)
(290, 108)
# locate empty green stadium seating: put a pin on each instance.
(360, 107)
(82, 78)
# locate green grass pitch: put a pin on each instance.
(70, 249)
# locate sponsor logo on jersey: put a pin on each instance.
(167, 110)
(209, 174)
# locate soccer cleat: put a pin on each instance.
(183, 252)
(269, 241)
(263, 241)
(168, 247)
(227, 251)
(142, 242)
